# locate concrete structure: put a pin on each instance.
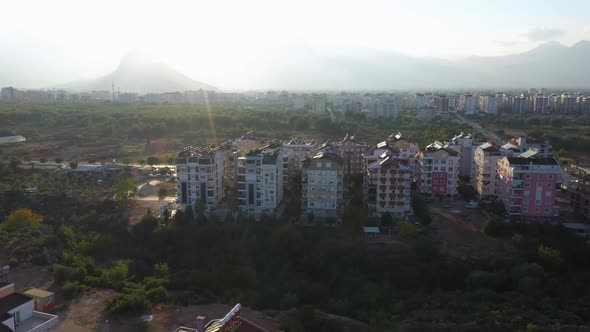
(485, 167)
(464, 145)
(467, 104)
(322, 185)
(579, 193)
(351, 150)
(542, 146)
(387, 186)
(528, 187)
(385, 106)
(301, 150)
(318, 104)
(421, 100)
(260, 181)
(437, 167)
(518, 104)
(540, 104)
(202, 175)
(441, 105)
(488, 104)
(17, 312)
(233, 321)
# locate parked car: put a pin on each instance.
(472, 205)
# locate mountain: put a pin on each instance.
(550, 65)
(137, 73)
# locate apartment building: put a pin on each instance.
(387, 186)
(202, 175)
(322, 185)
(441, 105)
(421, 100)
(579, 192)
(467, 104)
(351, 150)
(438, 170)
(542, 146)
(301, 150)
(488, 104)
(518, 104)
(528, 187)
(260, 181)
(540, 104)
(485, 166)
(464, 145)
(385, 106)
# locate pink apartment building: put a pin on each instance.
(528, 187)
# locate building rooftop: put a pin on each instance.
(551, 161)
(12, 301)
(39, 293)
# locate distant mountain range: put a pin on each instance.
(137, 73)
(550, 65)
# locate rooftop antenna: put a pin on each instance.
(113, 89)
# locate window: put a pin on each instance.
(450, 162)
(548, 193)
(548, 185)
(547, 201)
(546, 210)
(538, 202)
(527, 192)
(525, 209)
(527, 176)
(539, 185)
(526, 185)
(537, 209)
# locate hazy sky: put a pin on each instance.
(210, 39)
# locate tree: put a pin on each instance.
(22, 218)
(405, 229)
(153, 160)
(162, 192)
(386, 219)
(125, 190)
(59, 160)
(73, 164)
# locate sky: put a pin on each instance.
(64, 40)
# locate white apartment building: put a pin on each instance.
(260, 181)
(438, 170)
(202, 175)
(485, 169)
(322, 185)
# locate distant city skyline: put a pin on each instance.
(219, 41)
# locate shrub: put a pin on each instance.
(72, 289)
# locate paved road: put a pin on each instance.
(480, 129)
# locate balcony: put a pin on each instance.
(39, 322)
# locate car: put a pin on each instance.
(472, 205)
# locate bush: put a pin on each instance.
(72, 289)
(133, 302)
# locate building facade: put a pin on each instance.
(260, 181)
(202, 175)
(322, 185)
(438, 170)
(485, 166)
(528, 187)
(387, 186)
(351, 150)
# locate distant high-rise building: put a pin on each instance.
(488, 104)
(467, 104)
(421, 100)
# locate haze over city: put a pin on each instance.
(237, 45)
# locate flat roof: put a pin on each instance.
(12, 301)
(40, 293)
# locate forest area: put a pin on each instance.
(300, 274)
